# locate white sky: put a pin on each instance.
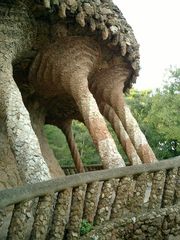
(156, 25)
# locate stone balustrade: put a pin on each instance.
(55, 209)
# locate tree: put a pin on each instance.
(58, 144)
(157, 114)
(163, 115)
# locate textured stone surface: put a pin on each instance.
(91, 200)
(177, 187)
(137, 201)
(107, 86)
(157, 189)
(21, 221)
(124, 194)
(107, 19)
(158, 225)
(29, 32)
(61, 214)
(107, 197)
(123, 211)
(76, 212)
(22, 139)
(108, 112)
(42, 218)
(169, 187)
(8, 169)
(83, 55)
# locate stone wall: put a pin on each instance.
(158, 224)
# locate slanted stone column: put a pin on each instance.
(169, 187)
(121, 133)
(157, 189)
(124, 194)
(60, 216)
(66, 127)
(177, 188)
(21, 221)
(106, 200)
(93, 193)
(76, 212)
(42, 217)
(107, 85)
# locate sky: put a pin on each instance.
(156, 25)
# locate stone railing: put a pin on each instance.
(59, 205)
(70, 170)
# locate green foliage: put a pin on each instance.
(157, 114)
(166, 106)
(58, 144)
(85, 227)
(85, 145)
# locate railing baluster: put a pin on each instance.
(42, 217)
(76, 212)
(124, 192)
(61, 215)
(137, 201)
(177, 187)
(91, 200)
(157, 188)
(21, 221)
(169, 187)
(107, 197)
(117, 198)
(2, 216)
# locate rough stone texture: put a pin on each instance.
(137, 201)
(52, 77)
(76, 212)
(21, 221)
(157, 189)
(158, 225)
(169, 187)
(121, 133)
(61, 215)
(91, 200)
(106, 18)
(107, 197)
(22, 139)
(27, 26)
(42, 217)
(177, 188)
(9, 176)
(8, 169)
(119, 199)
(121, 204)
(73, 58)
(37, 115)
(26, 29)
(107, 86)
(136, 135)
